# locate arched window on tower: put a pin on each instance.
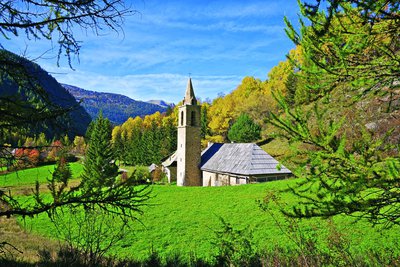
(193, 118)
(181, 118)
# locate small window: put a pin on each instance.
(182, 118)
(193, 118)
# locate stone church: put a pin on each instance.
(219, 164)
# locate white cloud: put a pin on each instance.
(244, 9)
(213, 10)
(218, 41)
(166, 86)
(223, 25)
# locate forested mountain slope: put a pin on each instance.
(117, 108)
(31, 83)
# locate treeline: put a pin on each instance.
(36, 151)
(143, 141)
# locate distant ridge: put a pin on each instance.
(161, 103)
(117, 108)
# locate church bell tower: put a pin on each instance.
(189, 141)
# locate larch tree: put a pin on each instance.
(99, 169)
(204, 120)
(351, 70)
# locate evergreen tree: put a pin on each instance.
(99, 168)
(351, 62)
(204, 120)
(244, 130)
(41, 140)
(118, 144)
(291, 83)
(170, 132)
(89, 131)
(135, 146)
(60, 177)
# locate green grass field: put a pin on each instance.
(30, 176)
(182, 220)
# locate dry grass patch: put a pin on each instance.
(24, 246)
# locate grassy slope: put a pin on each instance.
(30, 176)
(29, 243)
(182, 220)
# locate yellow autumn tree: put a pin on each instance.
(252, 97)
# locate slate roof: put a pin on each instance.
(240, 158)
(170, 160)
(236, 158)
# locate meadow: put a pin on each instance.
(29, 176)
(184, 220)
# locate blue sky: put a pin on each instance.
(218, 42)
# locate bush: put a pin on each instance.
(235, 247)
(140, 174)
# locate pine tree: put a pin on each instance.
(118, 144)
(244, 130)
(100, 169)
(135, 150)
(204, 120)
(170, 138)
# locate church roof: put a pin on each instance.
(190, 98)
(240, 158)
(170, 160)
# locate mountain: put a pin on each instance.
(117, 108)
(161, 103)
(25, 82)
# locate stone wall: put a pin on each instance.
(189, 146)
(171, 173)
(216, 179)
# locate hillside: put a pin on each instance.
(37, 89)
(117, 108)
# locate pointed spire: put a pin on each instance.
(189, 99)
